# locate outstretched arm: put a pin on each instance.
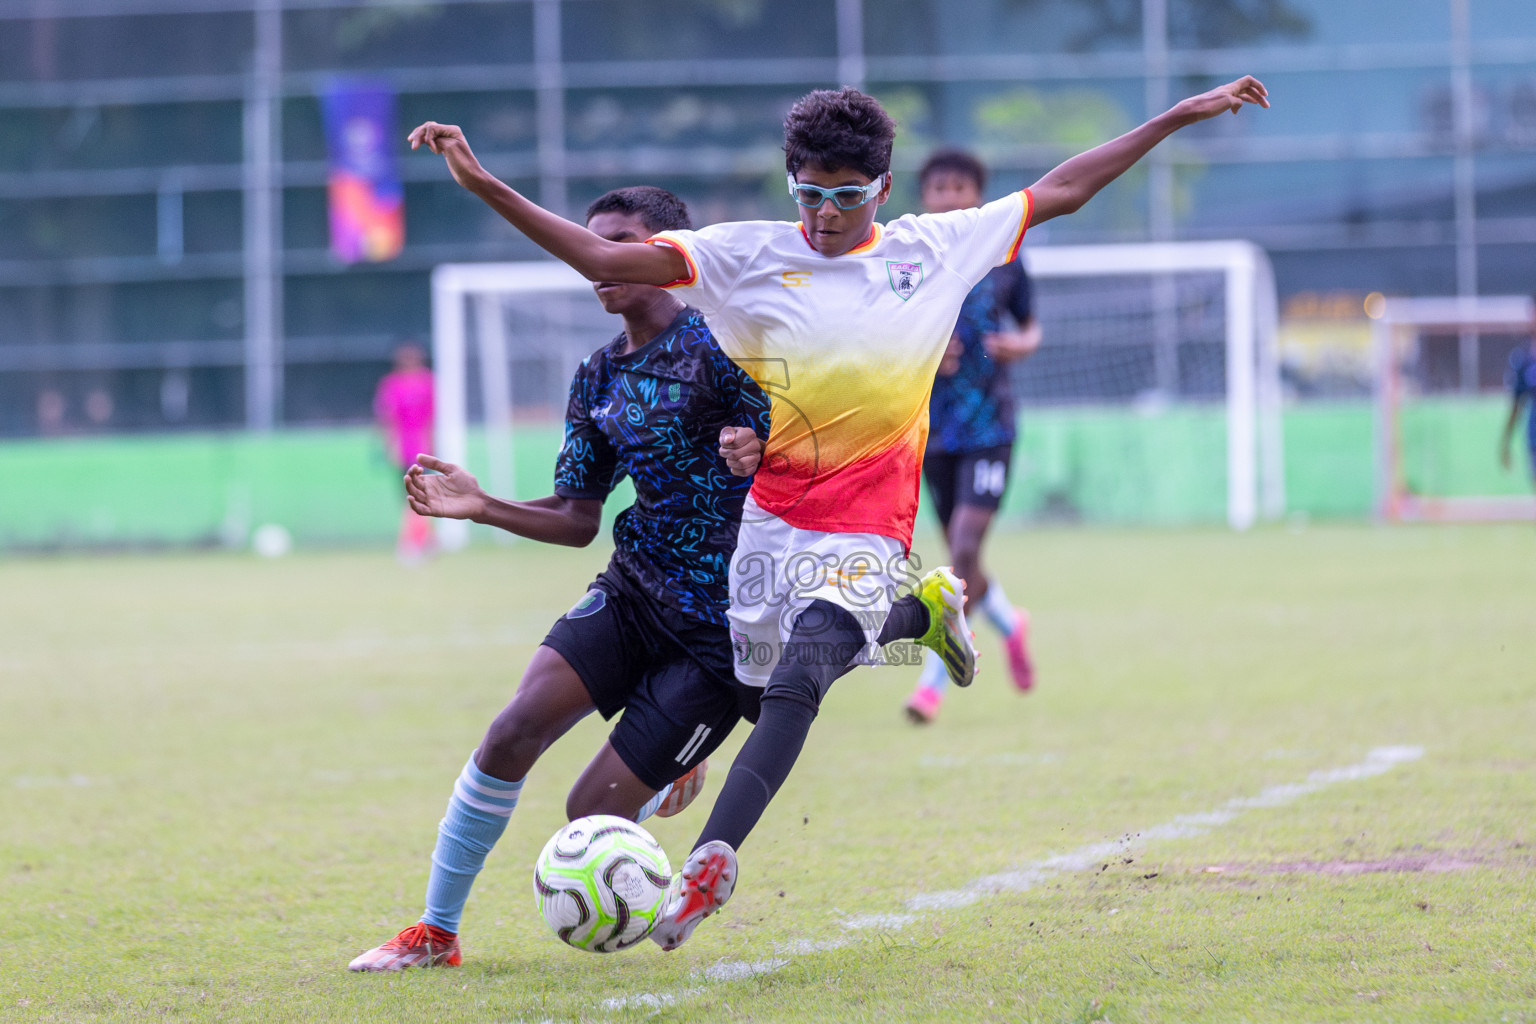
(1066, 188)
(595, 258)
(454, 493)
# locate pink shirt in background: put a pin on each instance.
(403, 406)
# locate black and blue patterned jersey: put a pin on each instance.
(1521, 378)
(654, 415)
(973, 408)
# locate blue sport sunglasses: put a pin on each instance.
(848, 197)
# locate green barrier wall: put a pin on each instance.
(324, 486)
(1088, 465)
(1118, 466)
(1114, 466)
(1450, 447)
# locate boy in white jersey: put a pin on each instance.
(843, 322)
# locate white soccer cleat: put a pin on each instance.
(703, 886)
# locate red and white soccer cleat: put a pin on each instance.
(703, 886)
(684, 790)
(923, 706)
(420, 945)
(1020, 664)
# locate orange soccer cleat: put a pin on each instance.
(684, 790)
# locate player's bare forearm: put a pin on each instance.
(1013, 346)
(572, 522)
(452, 492)
(1065, 188)
(594, 257)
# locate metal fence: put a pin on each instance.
(163, 250)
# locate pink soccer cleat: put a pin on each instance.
(1020, 665)
(420, 945)
(707, 880)
(923, 706)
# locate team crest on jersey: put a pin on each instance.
(741, 644)
(591, 603)
(905, 277)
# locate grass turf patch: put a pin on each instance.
(219, 781)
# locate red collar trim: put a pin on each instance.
(874, 236)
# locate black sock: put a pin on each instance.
(824, 640)
(908, 620)
(759, 770)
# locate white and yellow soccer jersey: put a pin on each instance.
(846, 348)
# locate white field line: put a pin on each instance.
(1028, 875)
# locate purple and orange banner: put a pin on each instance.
(367, 201)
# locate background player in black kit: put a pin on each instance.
(971, 426)
(649, 637)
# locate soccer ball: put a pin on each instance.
(601, 882)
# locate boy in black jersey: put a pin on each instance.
(648, 641)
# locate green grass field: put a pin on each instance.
(220, 780)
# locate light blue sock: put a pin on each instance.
(476, 817)
(934, 675)
(999, 610)
(653, 803)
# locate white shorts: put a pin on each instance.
(778, 570)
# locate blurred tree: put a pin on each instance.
(915, 138)
(652, 29)
(359, 27)
(1072, 121)
(1192, 23)
(732, 12)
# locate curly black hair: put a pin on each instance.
(832, 129)
(954, 161)
(657, 208)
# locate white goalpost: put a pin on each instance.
(1255, 444)
(1397, 344)
(456, 287)
(486, 314)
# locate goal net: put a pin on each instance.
(1155, 395)
(1439, 406)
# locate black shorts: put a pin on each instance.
(670, 675)
(975, 478)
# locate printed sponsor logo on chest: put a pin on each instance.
(905, 277)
